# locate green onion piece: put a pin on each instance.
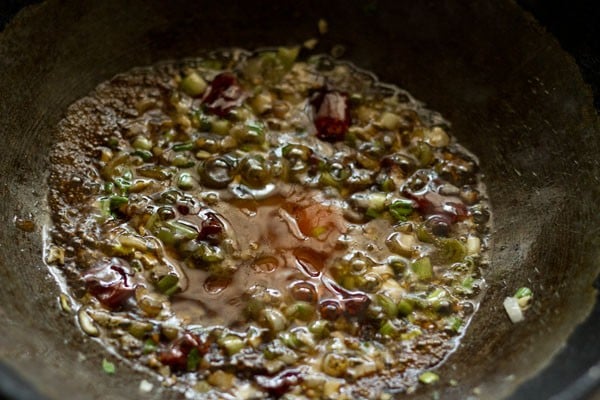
(115, 202)
(108, 187)
(220, 126)
(193, 85)
(300, 310)
(142, 143)
(398, 264)
(454, 324)
(372, 213)
(404, 307)
(183, 146)
(387, 185)
(149, 346)
(143, 154)
(288, 55)
(214, 254)
(377, 201)
(202, 121)
(452, 250)
(436, 295)
(290, 340)
(185, 181)
(168, 284)
(182, 161)
(388, 305)
(326, 179)
(252, 132)
(523, 292)
(193, 359)
(335, 364)
(275, 320)
(232, 344)
(390, 328)
(425, 235)
(428, 377)
(467, 283)
(154, 172)
(401, 209)
(422, 267)
(181, 230)
(123, 182)
(424, 153)
(108, 367)
(319, 328)
(113, 142)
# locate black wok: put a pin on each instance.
(514, 97)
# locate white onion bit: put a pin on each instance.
(511, 305)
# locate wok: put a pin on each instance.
(514, 97)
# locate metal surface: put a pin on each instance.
(514, 97)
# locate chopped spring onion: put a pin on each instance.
(523, 292)
(168, 284)
(429, 377)
(401, 209)
(422, 268)
(108, 367)
(193, 84)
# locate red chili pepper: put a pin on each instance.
(223, 94)
(332, 117)
(107, 281)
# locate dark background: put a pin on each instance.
(576, 25)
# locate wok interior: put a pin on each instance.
(514, 98)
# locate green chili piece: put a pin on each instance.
(422, 268)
